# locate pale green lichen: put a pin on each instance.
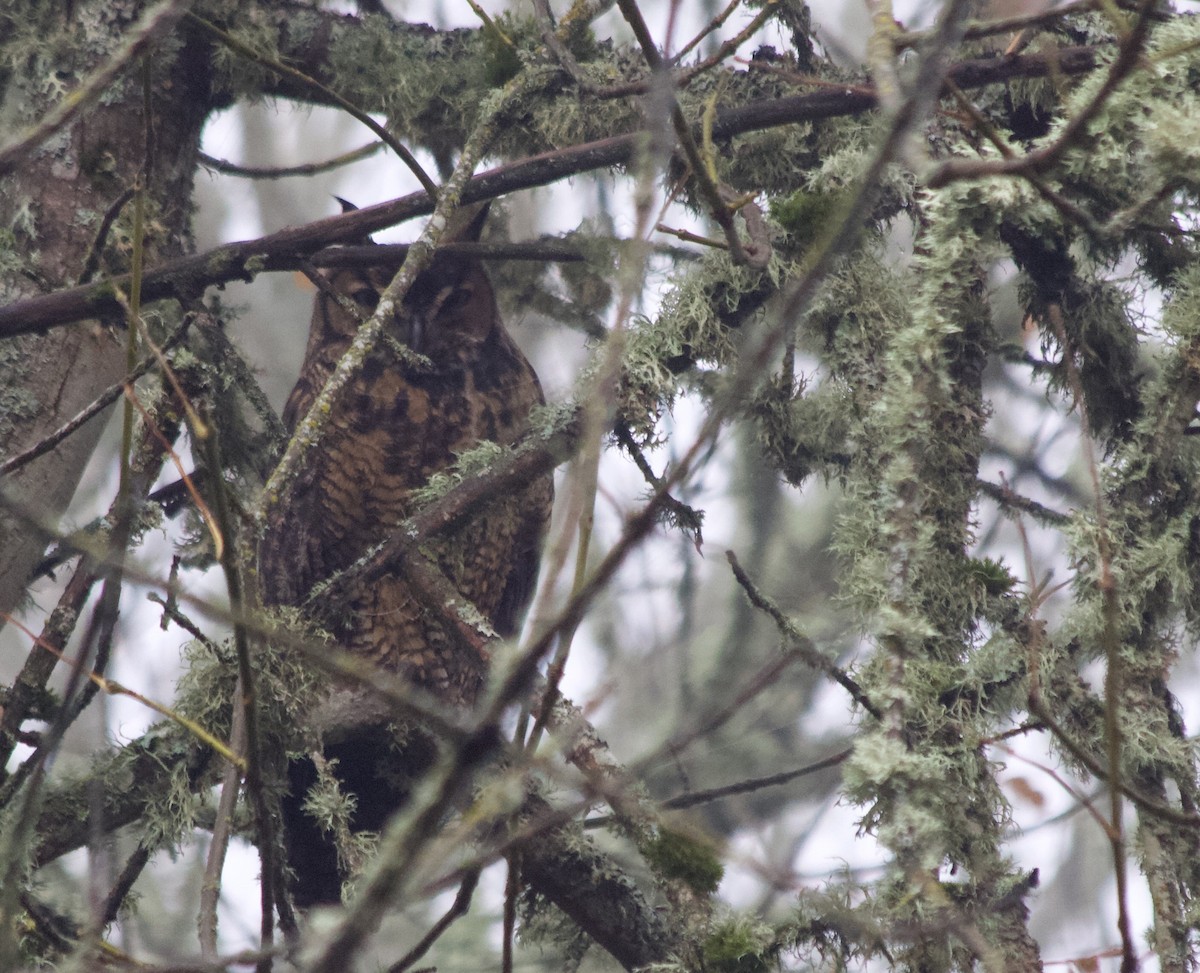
(467, 463)
(741, 944)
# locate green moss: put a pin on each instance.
(992, 575)
(681, 857)
(808, 215)
(698, 325)
(802, 434)
(475, 460)
(501, 56)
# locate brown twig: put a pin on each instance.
(31, 682)
(114, 688)
(1042, 159)
(1009, 499)
(554, 43)
(728, 46)
(988, 28)
(111, 906)
(313, 84)
(282, 172)
(686, 518)
(222, 831)
(91, 262)
(755, 783)
(1114, 686)
(749, 786)
(458, 908)
(798, 641)
(1030, 634)
(393, 254)
(761, 681)
(512, 888)
(712, 25)
(706, 183)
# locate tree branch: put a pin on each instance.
(286, 249)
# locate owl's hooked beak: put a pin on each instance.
(417, 333)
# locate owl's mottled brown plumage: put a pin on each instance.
(398, 424)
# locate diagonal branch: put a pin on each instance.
(1043, 158)
(531, 459)
(285, 249)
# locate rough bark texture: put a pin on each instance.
(85, 170)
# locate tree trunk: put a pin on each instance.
(54, 206)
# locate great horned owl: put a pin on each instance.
(400, 422)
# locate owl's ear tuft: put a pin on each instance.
(349, 207)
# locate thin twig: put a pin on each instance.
(91, 262)
(557, 47)
(393, 254)
(714, 24)
(282, 172)
(749, 786)
(705, 182)
(1039, 160)
(687, 519)
(201, 507)
(1081, 799)
(458, 908)
(31, 682)
(222, 831)
(512, 888)
(171, 611)
(798, 641)
(114, 688)
(729, 46)
(228, 360)
(312, 83)
(759, 683)
(755, 783)
(1113, 672)
(1008, 499)
(270, 887)
(123, 886)
(977, 30)
(98, 405)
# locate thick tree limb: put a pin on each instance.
(570, 871)
(286, 249)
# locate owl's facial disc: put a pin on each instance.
(448, 313)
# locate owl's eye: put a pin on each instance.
(366, 296)
(455, 299)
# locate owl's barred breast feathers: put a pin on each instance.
(392, 429)
(398, 423)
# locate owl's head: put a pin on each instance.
(450, 310)
(447, 314)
